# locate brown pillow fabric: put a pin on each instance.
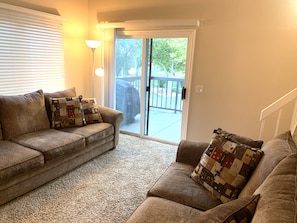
(225, 167)
(239, 210)
(22, 114)
(1, 137)
(240, 139)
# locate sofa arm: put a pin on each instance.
(190, 152)
(113, 117)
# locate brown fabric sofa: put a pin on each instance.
(268, 196)
(32, 153)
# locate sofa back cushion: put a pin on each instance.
(274, 151)
(278, 194)
(22, 114)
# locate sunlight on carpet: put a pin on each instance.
(106, 189)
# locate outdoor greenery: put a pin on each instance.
(128, 54)
(168, 56)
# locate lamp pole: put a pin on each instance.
(100, 72)
(93, 44)
(93, 72)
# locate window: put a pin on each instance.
(31, 51)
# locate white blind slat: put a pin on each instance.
(31, 51)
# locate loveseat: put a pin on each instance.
(268, 194)
(45, 135)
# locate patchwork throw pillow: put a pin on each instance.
(91, 111)
(66, 112)
(225, 167)
(239, 210)
(57, 94)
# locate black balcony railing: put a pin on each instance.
(165, 93)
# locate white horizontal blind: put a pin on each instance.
(31, 51)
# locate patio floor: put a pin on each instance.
(164, 125)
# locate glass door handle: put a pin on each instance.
(184, 91)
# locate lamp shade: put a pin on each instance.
(93, 44)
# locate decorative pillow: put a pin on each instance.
(58, 94)
(240, 139)
(20, 114)
(66, 112)
(225, 167)
(239, 210)
(91, 112)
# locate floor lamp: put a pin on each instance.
(100, 72)
(93, 44)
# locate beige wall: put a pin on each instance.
(245, 55)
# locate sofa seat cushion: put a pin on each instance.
(278, 194)
(51, 143)
(274, 151)
(155, 209)
(93, 132)
(16, 159)
(176, 185)
(21, 114)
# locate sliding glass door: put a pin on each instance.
(149, 76)
(128, 81)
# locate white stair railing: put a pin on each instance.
(278, 106)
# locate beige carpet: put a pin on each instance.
(106, 189)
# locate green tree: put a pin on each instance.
(128, 54)
(168, 53)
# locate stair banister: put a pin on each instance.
(277, 106)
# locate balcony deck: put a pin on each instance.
(165, 125)
(165, 108)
